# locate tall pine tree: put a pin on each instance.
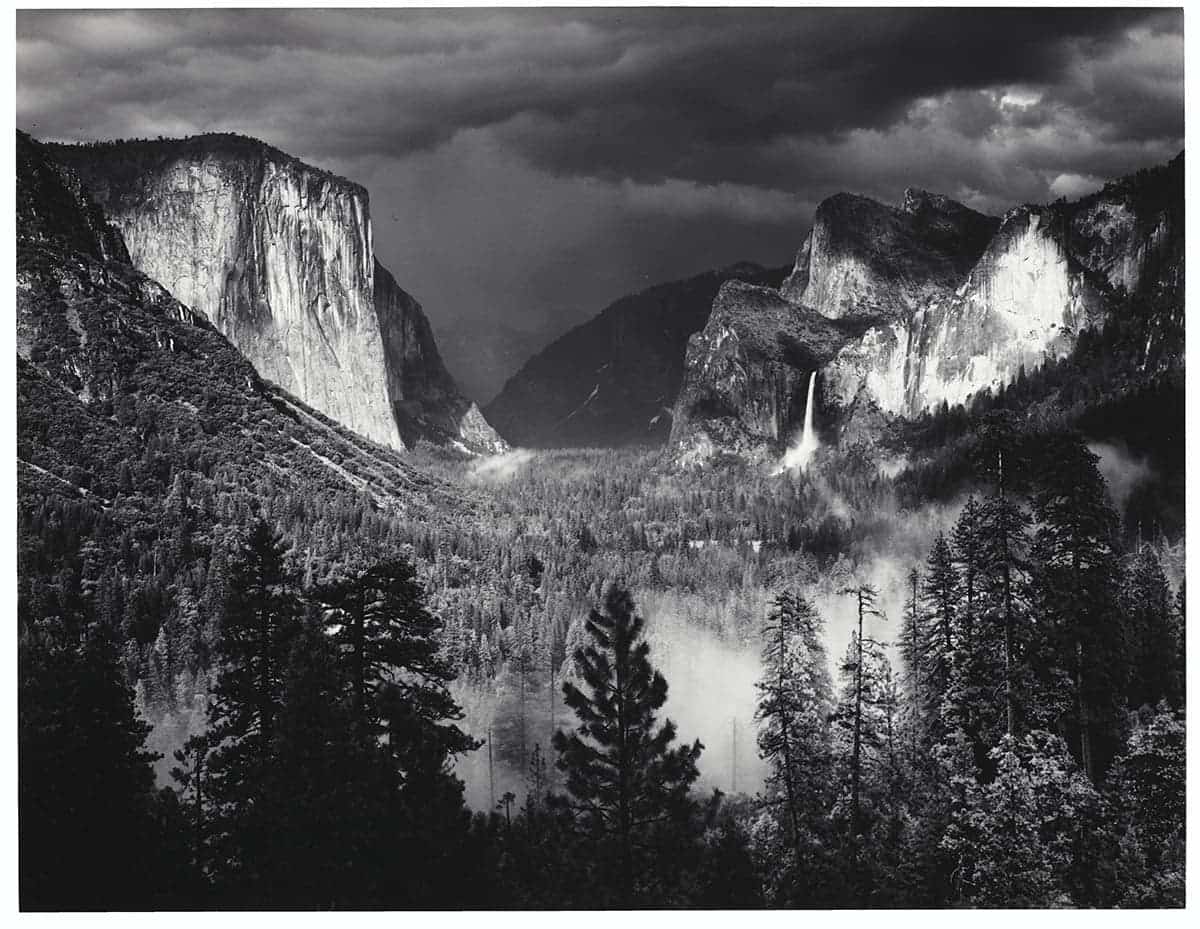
(389, 641)
(624, 776)
(85, 782)
(260, 620)
(1077, 583)
(794, 702)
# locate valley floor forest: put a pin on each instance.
(1010, 733)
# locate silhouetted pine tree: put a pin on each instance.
(331, 836)
(1077, 584)
(625, 779)
(394, 677)
(88, 833)
(863, 738)
(1002, 640)
(1153, 633)
(866, 599)
(260, 621)
(965, 707)
(920, 710)
(191, 773)
(940, 600)
(378, 619)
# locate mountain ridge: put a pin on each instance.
(1046, 273)
(613, 379)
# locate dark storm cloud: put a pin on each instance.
(645, 94)
(698, 102)
(531, 165)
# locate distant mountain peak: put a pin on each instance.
(864, 258)
(609, 380)
(918, 201)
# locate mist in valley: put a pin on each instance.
(709, 648)
(497, 469)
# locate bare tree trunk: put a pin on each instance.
(788, 782)
(733, 756)
(1081, 710)
(1009, 695)
(266, 709)
(360, 661)
(624, 813)
(199, 837)
(855, 760)
(918, 689)
(524, 760)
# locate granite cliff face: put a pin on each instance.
(1026, 298)
(934, 303)
(426, 403)
(614, 380)
(279, 257)
(864, 258)
(747, 374)
(112, 369)
(1047, 273)
(1131, 231)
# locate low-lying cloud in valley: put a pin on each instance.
(1122, 470)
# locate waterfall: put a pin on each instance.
(798, 455)
(807, 440)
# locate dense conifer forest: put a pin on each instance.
(269, 685)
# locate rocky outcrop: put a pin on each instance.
(1131, 231)
(614, 380)
(747, 374)
(426, 404)
(54, 209)
(863, 258)
(1024, 300)
(279, 256)
(1048, 273)
(945, 302)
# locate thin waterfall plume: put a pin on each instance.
(799, 455)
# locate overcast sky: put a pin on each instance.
(527, 167)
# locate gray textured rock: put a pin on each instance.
(279, 256)
(1131, 231)
(1023, 301)
(110, 366)
(747, 374)
(425, 401)
(863, 258)
(946, 302)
